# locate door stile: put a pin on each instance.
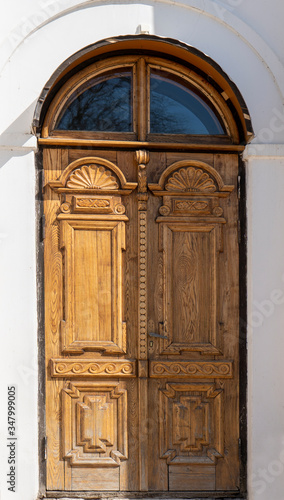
(53, 159)
(142, 158)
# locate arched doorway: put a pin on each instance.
(141, 161)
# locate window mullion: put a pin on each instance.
(142, 107)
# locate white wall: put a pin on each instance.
(246, 39)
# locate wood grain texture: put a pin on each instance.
(130, 280)
(160, 144)
(192, 478)
(53, 310)
(95, 480)
(189, 297)
(93, 301)
(181, 411)
(142, 158)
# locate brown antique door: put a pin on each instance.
(192, 318)
(141, 310)
(140, 157)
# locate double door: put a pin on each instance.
(141, 315)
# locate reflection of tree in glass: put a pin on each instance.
(105, 107)
(176, 110)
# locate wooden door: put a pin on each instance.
(141, 314)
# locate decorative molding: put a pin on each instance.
(94, 430)
(191, 189)
(142, 285)
(92, 177)
(92, 203)
(142, 158)
(119, 209)
(164, 210)
(190, 205)
(191, 180)
(92, 174)
(191, 177)
(200, 442)
(65, 207)
(192, 369)
(88, 367)
(218, 211)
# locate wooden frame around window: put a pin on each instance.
(140, 67)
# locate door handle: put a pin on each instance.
(152, 334)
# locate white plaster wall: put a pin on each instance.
(37, 36)
(18, 318)
(265, 320)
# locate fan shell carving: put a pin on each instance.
(190, 179)
(92, 177)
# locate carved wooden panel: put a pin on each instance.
(191, 177)
(63, 367)
(93, 317)
(149, 417)
(191, 238)
(92, 177)
(190, 287)
(94, 424)
(190, 427)
(91, 174)
(192, 369)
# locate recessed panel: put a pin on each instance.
(192, 286)
(93, 316)
(93, 285)
(190, 293)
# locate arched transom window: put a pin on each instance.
(140, 98)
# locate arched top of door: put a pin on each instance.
(142, 91)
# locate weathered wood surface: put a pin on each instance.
(142, 381)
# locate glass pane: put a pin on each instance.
(105, 106)
(175, 109)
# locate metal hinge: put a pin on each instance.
(42, 179)
(239, 187)
(42, 227)
(45, 447)
(240, 448)
(239, 231)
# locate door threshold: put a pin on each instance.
(165, 495)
